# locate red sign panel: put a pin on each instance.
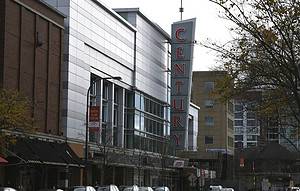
(94, 118)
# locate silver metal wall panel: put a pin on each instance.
(110, 50)
(151, 76)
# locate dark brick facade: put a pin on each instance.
(31, 45)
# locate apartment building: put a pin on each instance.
(216, 133)
(246, 125)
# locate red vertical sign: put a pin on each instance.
(94, 118)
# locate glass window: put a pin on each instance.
(105, 91)
(128, 99)
(230, 124)
(137, 121)
(238, 107)
(209, 103)
(251, 144)
(251, 138)
(104, 111)
(115, 121)
(137, 141)
(238, 130)
(253, 130)
(230, 107)
(238, 137)
(209, 120)
(209, 140)
(209, 86)
(116, 95)
(142, 103)
(238, 145)
(251, 122)
(238, 115)
(230, 141)
(238, 122)
(137, 100)
(250, 115)
(129, 139)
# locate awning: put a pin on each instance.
(2, 160)
(45, 152)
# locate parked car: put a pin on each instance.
(7, 189)
(227, 189)
(215, 188)
(129, 188)
(145, 189)
(162, 188)
(293, 189)
(82, 188)
(107, 188)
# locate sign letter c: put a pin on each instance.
(178, 36)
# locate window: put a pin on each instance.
(251, 122)
(230, 124)
(238, 107)
(238, 122)
(230, 141)
(238, 130)
(209, 120)
(238, 115)
(253, 130)
(251, 144)
(105, 91)
(250, 115)
(230, 107)
(116, 95)
(209, 139)
(128, 99)
(209, 86)
(104, 111)
(209, 103)
(238, 137)
(251, 138)
(115, 120)
(137, 100)
(238, 145)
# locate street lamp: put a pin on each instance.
(87, 118)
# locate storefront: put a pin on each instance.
(34, 164)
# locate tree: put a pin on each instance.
(15, 115)
(264, 55)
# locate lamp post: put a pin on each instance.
(87, 119)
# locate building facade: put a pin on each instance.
(131, 144)
(215, 118)
(216, 133)
(31, 61)
(31, 42)
(246, 125)
(114, 67)
(193, 127)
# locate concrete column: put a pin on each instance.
(121, 112)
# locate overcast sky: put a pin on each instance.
(165, 12)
